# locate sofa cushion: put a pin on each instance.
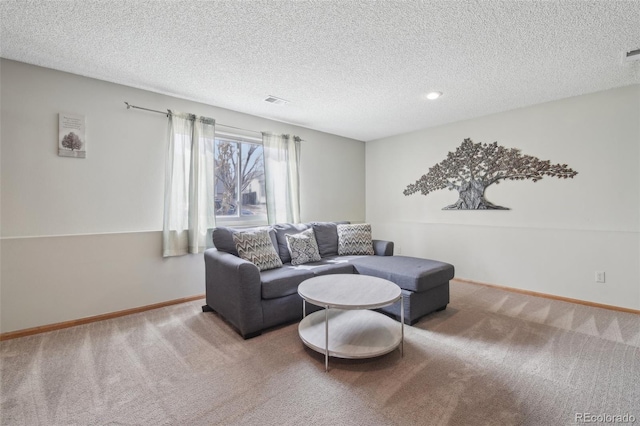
(303, 247)
(257, 248)
(327, 237)
(282, 229)
(333, 268)
(223, 238)
(328, 265)
(355, 239)
(282, 281)
(410, 273)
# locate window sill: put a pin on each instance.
(235, 222)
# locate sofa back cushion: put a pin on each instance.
(282, 229)
(327, 237)
(223, 238)
(257, 247)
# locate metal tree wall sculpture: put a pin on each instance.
(474, 166)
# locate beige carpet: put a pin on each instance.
(492, 358)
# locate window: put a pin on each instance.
(240, 197)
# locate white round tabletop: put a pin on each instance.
(349, 291)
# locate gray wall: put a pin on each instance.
(558, 232)
(83, 237)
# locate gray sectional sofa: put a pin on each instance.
(252, 300)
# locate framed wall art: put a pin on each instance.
(71, 135)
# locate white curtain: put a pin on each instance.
(189, 208)
(281, 162)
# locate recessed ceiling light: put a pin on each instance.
(434, 95)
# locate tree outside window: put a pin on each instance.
(239, 182)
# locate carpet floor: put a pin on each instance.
(491, 358)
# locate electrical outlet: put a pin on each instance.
(600, 276)
(398, 250)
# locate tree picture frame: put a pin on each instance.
(71, 135)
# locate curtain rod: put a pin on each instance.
(169, 113)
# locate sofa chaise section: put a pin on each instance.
(424, 283)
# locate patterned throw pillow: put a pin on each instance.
(257, 248)
(355, 239)
(303, 247)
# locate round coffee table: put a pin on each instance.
(347, 328)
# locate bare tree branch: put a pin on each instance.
(229, 167)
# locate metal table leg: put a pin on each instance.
(326, 339)
(402, 326)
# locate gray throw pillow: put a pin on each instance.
(303, 247)
(257, 248)
(355, 239)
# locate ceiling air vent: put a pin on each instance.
(275, 100)
(633, 55)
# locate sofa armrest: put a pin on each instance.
(234, 290)
(383, 248)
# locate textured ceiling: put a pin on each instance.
(356, 69)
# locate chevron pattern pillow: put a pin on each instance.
(355, 239)
(257, 248)
(303, 247)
